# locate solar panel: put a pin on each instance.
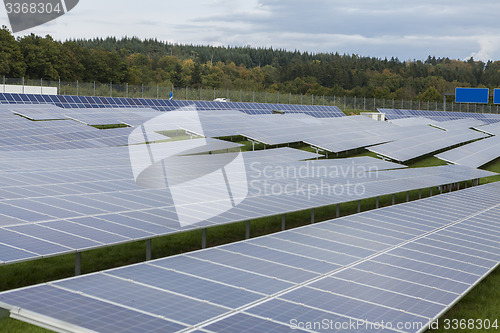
(73, 102)
(392, 114)
(425, 143)
(474, 154)
(97, 203)
(394, 269)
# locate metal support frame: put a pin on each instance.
(407, 196)
(430, 193)
(377, 203)
(393, 198)
(420, 193)
(338, 210)
(359, 206)
(148, 249)
(247, 229)
(312, 215)
(204, 238)
(283, 222)
(78, 263)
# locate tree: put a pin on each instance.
(196, 76)
(430, 95)
(11, 59)
(177, 77)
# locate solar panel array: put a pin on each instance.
(392, 114)
(424, 143)
(474, 154)
(73, 102)
(18, 133)
(52, 204)
(394, 269)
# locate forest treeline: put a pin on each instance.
(151, 62)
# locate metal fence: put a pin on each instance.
(347, 103)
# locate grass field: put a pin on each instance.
(482, 302)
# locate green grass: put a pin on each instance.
(9, 325)
(482, 302)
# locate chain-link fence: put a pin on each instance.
(347, 103)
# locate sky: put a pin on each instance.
(406, 29)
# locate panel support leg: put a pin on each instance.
(420, 193)
(359, 206)
(407, 196)
(148, 249)
(338, 210)
(247, 229)
(204, 238)
(430, 193)
(312, 215)
(78, 263)
(377, 203)
(283, 222)
(393, 198)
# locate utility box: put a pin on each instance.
(374, 115)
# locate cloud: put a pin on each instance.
(384, 28)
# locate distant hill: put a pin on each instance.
(151, 61)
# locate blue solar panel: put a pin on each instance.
(392, 114)
(167, 105)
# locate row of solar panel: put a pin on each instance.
(390, 270)
(440, 115)
(167, 105)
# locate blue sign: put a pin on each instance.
(496, 96)
(472, 95)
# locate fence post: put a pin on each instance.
(23, 84)
(253, 96)
(312, 99)
(289, 98)
(157, 91)
(76, 87)
(186, 93)
(214, 93)
(111, 89)
(4, 83)
(41, 86)
(278, 97)
(300, 98)
(94, 88)
(241, 93)
(126, 93)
